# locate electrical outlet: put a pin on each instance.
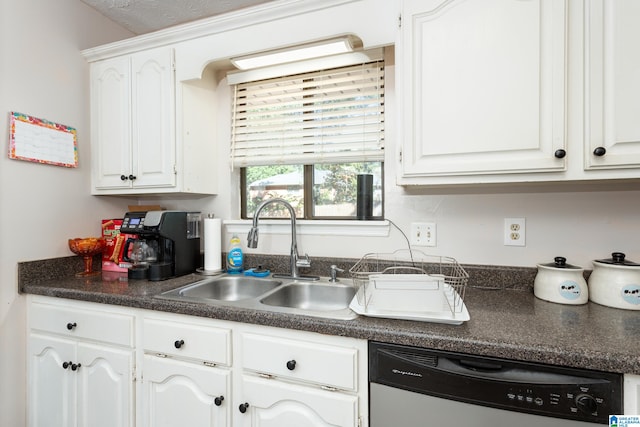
(514, 232)
(423, 234)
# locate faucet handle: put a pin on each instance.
(304, 262)
(334, 272)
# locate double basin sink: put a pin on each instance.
(296, 296)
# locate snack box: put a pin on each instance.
(113, 255)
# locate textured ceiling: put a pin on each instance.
(144, 16)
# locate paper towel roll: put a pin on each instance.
(212, 244)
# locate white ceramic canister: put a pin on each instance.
(615, 282)
(561, 283)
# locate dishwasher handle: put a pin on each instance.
(495, 371)
(482, 366)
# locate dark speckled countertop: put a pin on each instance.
(508, 322)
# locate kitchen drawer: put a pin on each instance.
(306, 361)
(94, 324)
(192, 340)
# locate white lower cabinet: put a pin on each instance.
(206, 372)
(293, 378)
(272, 403)
(186, 373)
(52, 390)
(97, 365)
(105, 392)
(77, 377)
(178, 393)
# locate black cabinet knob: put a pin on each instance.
(75, 367)
(124, 177)
(599, 151)
(178, 343)
(218, 400)
(291, 365)
(65, 365)
(243, 407)
(70, 325)
(560, 154)
(132, 177)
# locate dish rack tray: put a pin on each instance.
(409, 284)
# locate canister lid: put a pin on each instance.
(618, 258)
(561, 262)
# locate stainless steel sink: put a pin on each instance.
(318, 298)
(226, 288)
(311, 296)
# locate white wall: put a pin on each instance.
(42, 74)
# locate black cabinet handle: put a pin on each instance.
(243, 407)
(291, 365)
(65, 365)
(599, 151)
(124, 177)
(178, 343)
(132, 177)
(560, 154)
(70, 325)
(75, 367)
(218, 400)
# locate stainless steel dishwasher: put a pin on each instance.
(416, 387)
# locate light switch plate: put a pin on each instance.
(423, 234)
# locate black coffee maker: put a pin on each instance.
(175, 237)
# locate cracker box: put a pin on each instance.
(113, 255)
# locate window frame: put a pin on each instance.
(307, 187)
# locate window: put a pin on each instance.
(307, 137)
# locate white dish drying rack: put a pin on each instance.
(409, 284)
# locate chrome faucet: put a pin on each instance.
(295, 260)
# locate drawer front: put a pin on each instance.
(305, 361)
(188, 340)
(96, 325)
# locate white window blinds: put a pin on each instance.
(330, 116)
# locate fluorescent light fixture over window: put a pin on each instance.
(299, 53)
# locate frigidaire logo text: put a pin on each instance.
(411, 374)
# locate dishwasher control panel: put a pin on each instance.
(585, 401)
(553, 391)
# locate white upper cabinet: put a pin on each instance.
(612, 98)
(153, 126)
(133, 118)
(483, 87)
(111, 122)
(508, 91)
(149, 134)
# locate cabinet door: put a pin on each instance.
(105, 392)
(485, 87)
(270, 403)
(178, 393)
(51, 390)
(111, 122)
(153, 118)
(612, 96)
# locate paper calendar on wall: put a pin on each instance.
(41, 141)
